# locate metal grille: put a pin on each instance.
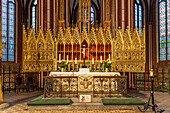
(161, 79)
(140, 81)
(8, 77)
(9, 74)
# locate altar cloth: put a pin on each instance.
(84, 71)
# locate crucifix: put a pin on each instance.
(84, 57)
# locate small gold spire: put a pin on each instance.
(100, 24)
(92, 25)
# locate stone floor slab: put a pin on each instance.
(83, 107)
(19, 104)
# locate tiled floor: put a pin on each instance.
(18, 102)
(161, 99)
(14, 98)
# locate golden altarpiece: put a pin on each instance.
(42, 51)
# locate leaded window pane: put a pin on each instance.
(139, 16)
(136, 16)
(34, 14)
(92, 15)
(8, 29)
(168, 28)
(164, 29)
(137, 1)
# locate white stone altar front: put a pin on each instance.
(85, 77)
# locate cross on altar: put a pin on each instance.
(84, 49)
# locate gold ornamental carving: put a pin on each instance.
(38, 51)
(41, 49)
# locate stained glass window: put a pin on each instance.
(139, 16)
(34, 14)
(8, 29)
(164, 29)
(92, 15)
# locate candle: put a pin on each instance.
(75, 60)
(59, 58)
(100, 59)
(109, 56)
(116, 85)
(151, 72)
(84, 50)
(67, 59)
(92, 60)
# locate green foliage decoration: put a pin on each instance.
(63, 64)
(107, 64)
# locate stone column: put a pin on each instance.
(23, 11)
(150, 44)
(150, 35)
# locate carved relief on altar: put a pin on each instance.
(101, 85)
(65, 86)
(69, 84)
(85, 83)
